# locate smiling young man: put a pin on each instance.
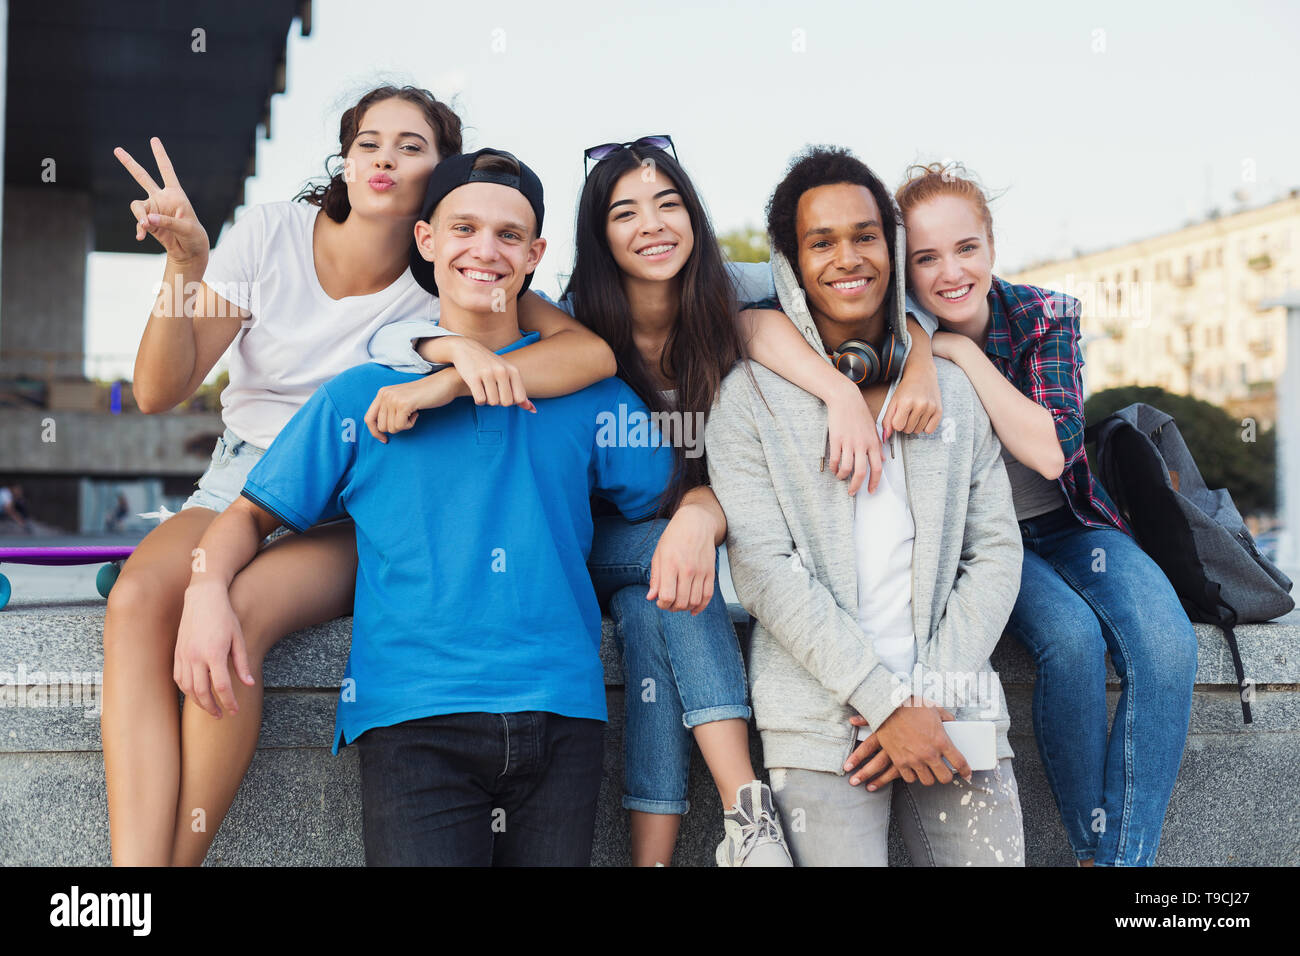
(877, 610)
(474, 688)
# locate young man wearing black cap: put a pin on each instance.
(474, 689)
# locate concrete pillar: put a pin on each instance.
(1288, 437)
(4, 74)
(48, 233)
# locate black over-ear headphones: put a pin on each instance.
(866, 364)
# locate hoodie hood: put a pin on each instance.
(794, 302)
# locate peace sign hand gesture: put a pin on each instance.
(166, 213)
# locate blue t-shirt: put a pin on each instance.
(473, 530)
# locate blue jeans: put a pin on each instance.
(1084, 591)
(680, 670)
(481, 790)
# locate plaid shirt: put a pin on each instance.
(1034, 342)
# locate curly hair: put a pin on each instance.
(822, 166)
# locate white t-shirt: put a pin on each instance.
(883, 532)
(298, 338)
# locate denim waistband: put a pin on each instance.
(1061, 519)
(233, 442)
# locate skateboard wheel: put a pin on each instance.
(6, 589)
(106, 578)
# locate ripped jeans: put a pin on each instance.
(829, 822)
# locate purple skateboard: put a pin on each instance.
(114, 556)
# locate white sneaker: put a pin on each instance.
(753, 832)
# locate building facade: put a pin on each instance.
(1182, 310)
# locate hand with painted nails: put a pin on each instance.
(917, 405)
(855, 449)
(492, 380)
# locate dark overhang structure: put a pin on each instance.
(84, 76)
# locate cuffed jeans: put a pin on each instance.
(829, 822)
(481, 790)
(680, 670)
(1084, 591)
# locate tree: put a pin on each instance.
(1221, 445)
(745, 245)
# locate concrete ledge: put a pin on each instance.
(1234, 802)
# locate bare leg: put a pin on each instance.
(294, 582)
(139, 722)
(653, 837)
(725, 747)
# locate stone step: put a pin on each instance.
(1233, 803)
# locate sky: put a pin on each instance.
(1092, 124)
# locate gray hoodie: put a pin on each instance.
(791, 549)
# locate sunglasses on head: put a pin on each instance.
(597, 153)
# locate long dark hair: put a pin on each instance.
(332, 196)
(704, 342)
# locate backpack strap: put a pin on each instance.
(1227, 621)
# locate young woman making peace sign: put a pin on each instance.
(298, 294)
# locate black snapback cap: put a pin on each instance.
(456, 171)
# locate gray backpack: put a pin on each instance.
(1195, 534)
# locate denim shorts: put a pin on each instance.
(232, 460)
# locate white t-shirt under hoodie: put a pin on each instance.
(883, 534)
(298, 338)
